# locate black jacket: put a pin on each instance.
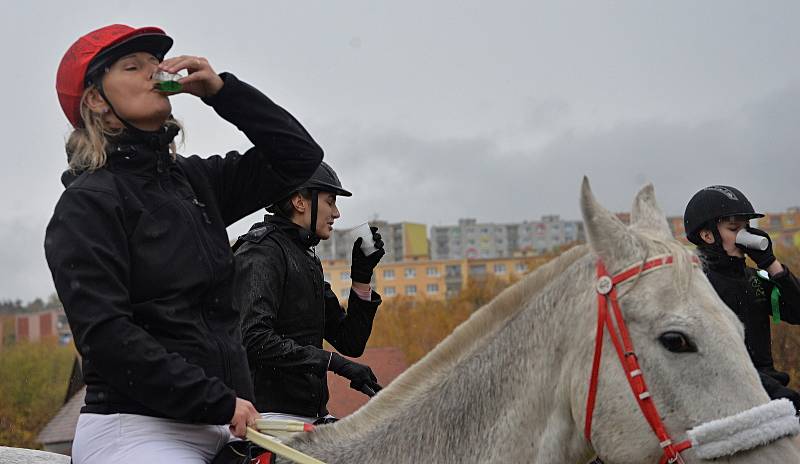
(750, 297)
(287, 310)
(142, 264)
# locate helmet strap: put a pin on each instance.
(124, 122)
(716, 247)
(309, 236)
(314, 209)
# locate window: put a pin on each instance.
(477, 269)
(453, 271)
(499, 268)
(521, 267)
(327, 276)
(432, 288)
(388, 274)
(345, 293)
(345, 275)
(410, 272)
(433, 272)
(411, 289)
(389, 291)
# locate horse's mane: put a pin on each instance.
(481, 324)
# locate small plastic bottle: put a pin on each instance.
(167, 82)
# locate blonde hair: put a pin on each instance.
(86, 146)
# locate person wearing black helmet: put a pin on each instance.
(288, 308)
(139, 253)
(714, 217)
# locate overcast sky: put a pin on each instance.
(433, 111)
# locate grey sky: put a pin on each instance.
(432, 111)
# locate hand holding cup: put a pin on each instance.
(367, 252)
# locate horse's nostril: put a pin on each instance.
(677, 342)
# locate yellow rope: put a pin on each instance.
(279, 448)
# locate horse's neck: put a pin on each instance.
(507, 400)
(28, 456)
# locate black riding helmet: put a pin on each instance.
(712, 203)
(324, 179)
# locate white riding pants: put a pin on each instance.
(135, 439)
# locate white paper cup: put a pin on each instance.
(367, 244)
(752, 241)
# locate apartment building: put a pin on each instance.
(437, 279)
(402, 241)
(783, 228)
(472, 240)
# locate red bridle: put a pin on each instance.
(606, 291)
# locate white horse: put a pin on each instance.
(27, 456)
(511, 384)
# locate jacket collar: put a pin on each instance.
(722, 263)
(143, 152)
(298, 234)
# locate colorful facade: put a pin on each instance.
(436, 279)
(402, 241)
(783, 228)
(472, 240)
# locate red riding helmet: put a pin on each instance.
(94, 52)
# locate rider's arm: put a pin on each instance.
(348, 331)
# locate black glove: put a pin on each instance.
(762, 258)
(359, 375)
(775, 389)
(361, 269)
(782, 377)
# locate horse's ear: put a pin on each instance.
(646, 215)
(607, 235)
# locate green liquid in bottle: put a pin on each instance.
(169, 86)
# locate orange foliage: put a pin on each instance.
(417, 325)
(785, 337)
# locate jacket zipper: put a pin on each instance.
(202, 207)
(204, 247)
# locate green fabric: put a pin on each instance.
(776, 304)
(775, 296)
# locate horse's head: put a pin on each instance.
(689, 345)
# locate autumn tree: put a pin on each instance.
(785, 337)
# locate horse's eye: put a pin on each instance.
(677, 342)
